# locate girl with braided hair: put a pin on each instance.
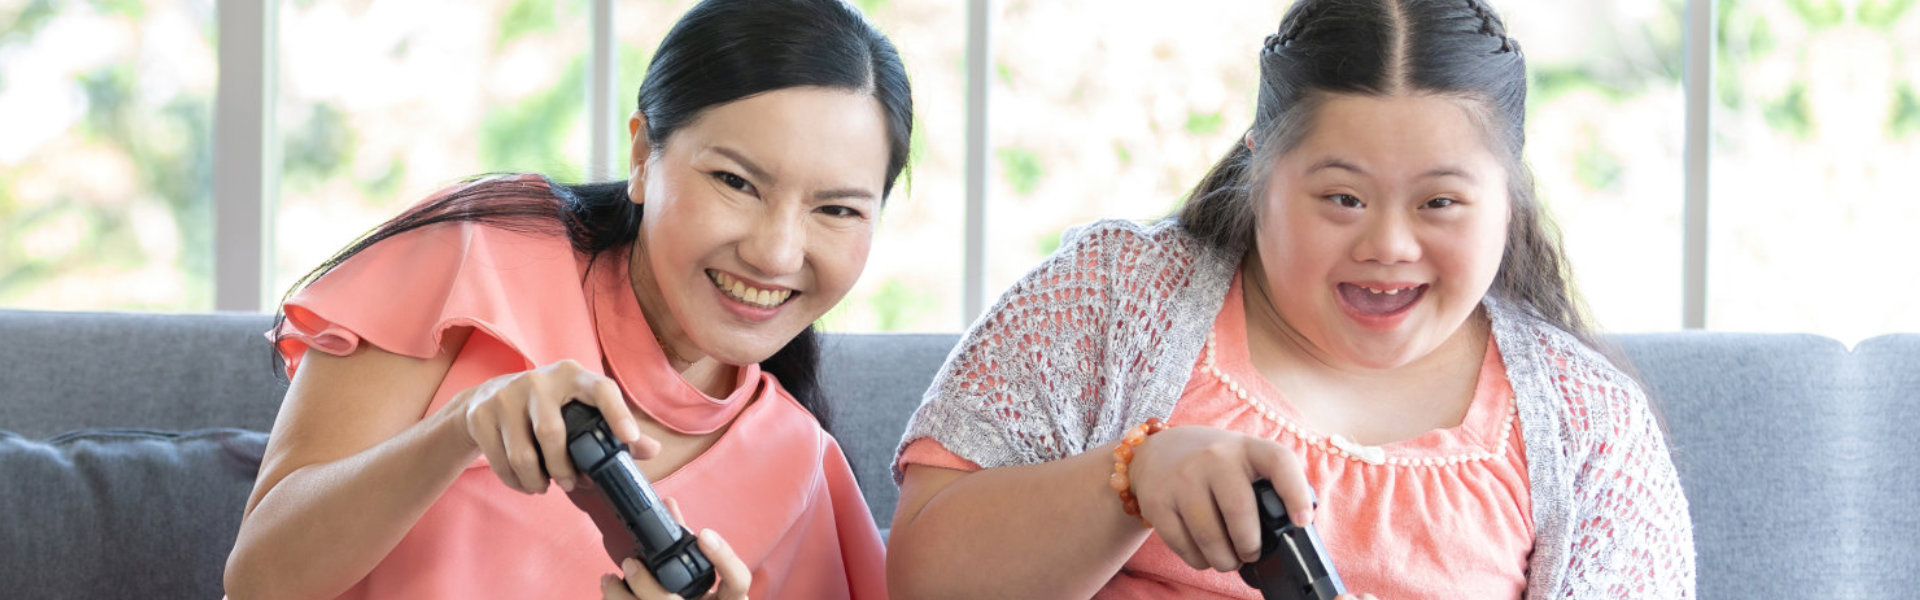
(1363, 304)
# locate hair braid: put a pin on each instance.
(1490, 24)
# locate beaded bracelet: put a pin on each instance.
(1122, 456)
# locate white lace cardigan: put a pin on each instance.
(1105, 333)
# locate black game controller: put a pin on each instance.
(632, 520)
(1292, 565)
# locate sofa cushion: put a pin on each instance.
(68, 371)
(874, 382)
(1880, 514)
(1755, 422)
(96, 513)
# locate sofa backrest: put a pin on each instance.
(874, 382)
(1755, 423)
(66, 371)
(1881, 461)
(1798, 458)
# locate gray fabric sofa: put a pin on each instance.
(132, 440)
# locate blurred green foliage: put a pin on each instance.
(1021, 169)
(167, 144)
(1204, 123)
(897, 305)
(1905, 116)
(1819, 14)
(317, 149)
(529, 135)
(525, 17)
(1594, 166)
(27, 22)
(1789, 113)
(1881, 14)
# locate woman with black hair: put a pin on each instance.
(416, 447)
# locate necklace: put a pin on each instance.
(668, 349)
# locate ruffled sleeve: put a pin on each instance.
(403, 293)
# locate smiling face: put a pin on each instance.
(1382, 230)
(757, 218)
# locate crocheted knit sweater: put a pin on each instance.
(1105, 333)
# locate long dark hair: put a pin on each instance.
(1456, 48)
(720, 51)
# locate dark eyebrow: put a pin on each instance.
(754, 171)
(1335, 163)
(842, 194)
(1448, 171)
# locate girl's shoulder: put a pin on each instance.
(1126, 258)
(1556, 373)
(1164, 240)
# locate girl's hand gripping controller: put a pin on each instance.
(1292, 565)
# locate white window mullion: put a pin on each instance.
(979, 61)
(1699, 92)
(246, 153)
(603, 119)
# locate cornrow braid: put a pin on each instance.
(1299, 23)
(1490, 24)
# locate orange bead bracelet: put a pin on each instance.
(1123, 456)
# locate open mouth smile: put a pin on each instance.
(749, 295)
(1379, 305)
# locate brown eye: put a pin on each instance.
(1346, 201)
(1441, 202)
(733, 181)
(840, 211)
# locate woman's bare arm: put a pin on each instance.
(350, 467)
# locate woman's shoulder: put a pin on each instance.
(402, 291)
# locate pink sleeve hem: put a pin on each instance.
(930, 452)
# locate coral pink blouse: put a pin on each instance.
(775, 485)
(1443, 515)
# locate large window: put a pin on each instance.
(1816, 144)
(1110, 109)
(1605, 133)
(106, 116)
(1095, 108)
(382, 103)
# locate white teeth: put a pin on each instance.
(1391, 292)
(739, 290)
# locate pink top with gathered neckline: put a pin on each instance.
(1446, 514)
(774, 485)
